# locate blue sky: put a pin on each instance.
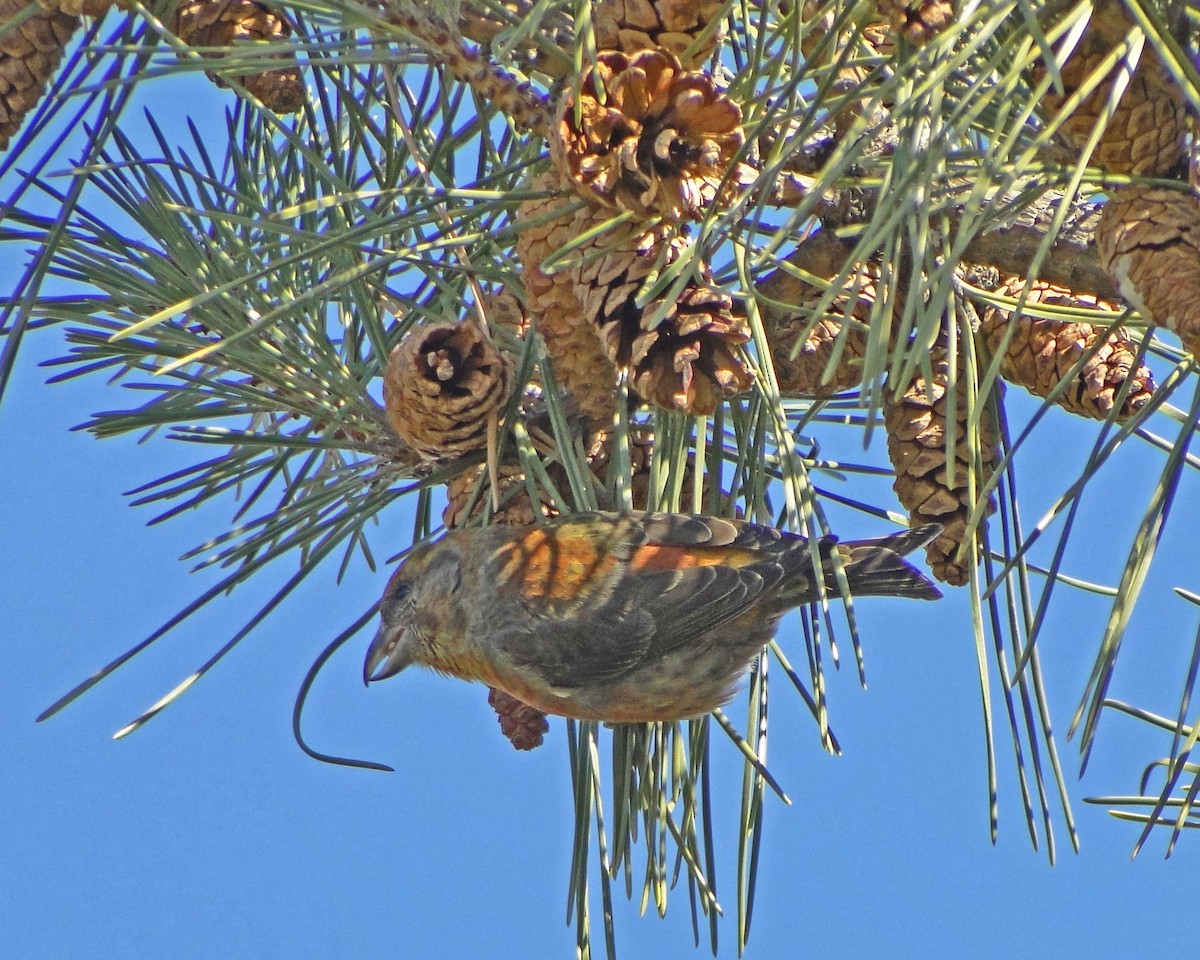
(209, 834)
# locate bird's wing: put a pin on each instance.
(600, 595)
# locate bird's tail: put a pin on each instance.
(877, 567)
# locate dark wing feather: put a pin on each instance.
(648, 613)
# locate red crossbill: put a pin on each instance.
(620, 617)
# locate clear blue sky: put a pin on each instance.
(209, 834)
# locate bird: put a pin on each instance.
(619, 617)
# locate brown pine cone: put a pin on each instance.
(916, 429)
(1148, 238)
(1041, 352)
(524, 725)
(1146, 133)
(672, 25)
(221, 23)
(554, 28)
(577, 357)
(918, 21)
(469, 494)
(856, 51)
(442, 385)
(29, 55)
(506, 311)
(801, 349)
(660, 140)
(682, 354)
(804, 375)
(690, 361)
(83, 8)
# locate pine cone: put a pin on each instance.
(516, 509)
(442, 384)
(506, 311)
(1041, 352)
(1148, 238)
(916, 428)
(221, 23)
(659, 141)
(820, 17)
(689, 359)
(82, 8)
(29, 55)
(577, 357)
(918, 21)
(524, 725)
(672, 25)
(469, 495)
(802, 349)
(1146, 133)
(521, 43)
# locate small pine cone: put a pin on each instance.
(469, 494)
(918, 21)
(689, 359)
(801, 369)
(660, 140)
(221, 23)
(820, 17)
(641, 448)
(1148, 238)
(555, 26)
(639, 483)
(505, 310)
(1041, 352)
(524, 725)
(442, 384)
(804, 374)
(672, 25)
(577, 357)
(916, 429)
(29, 55)
(1146, 133)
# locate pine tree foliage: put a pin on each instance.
(243, 287)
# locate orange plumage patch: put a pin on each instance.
(549, 567)
(653, 557)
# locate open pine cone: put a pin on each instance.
(672, 25)
(1041, 352)
(468, 495)
(683, 353)
(1148, 238)
(690, 360)
(442, 386)
(660, 140)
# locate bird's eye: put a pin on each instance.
(401, 590)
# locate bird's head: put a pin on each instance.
(418, 602)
